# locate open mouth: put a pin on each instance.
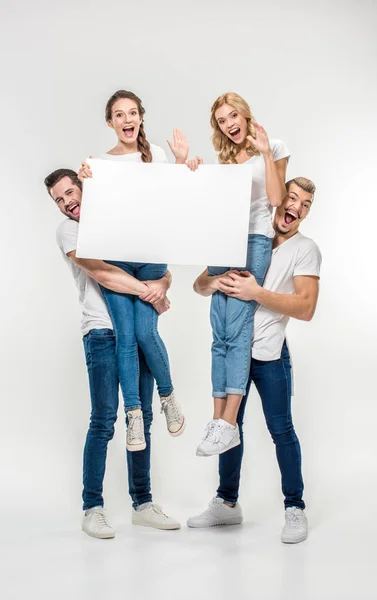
(129, 131)
(234, 132)
(290, 217)
(74, 210)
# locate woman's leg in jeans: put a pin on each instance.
(147, 335)
(273, 382)
(239, 328)
(218, 349)
(122, 314)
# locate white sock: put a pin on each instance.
(90, 510)
(143, 506)
(222, 422)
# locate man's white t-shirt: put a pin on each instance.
(299, 255)
(94, 313)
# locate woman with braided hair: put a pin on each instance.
(239, 139)
(134, 316)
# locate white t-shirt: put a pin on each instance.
(260, 207)
(158, 155)
(94, 313)
(299, 255)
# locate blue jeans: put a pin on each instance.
(101, 361)
(273, 382)
(232, 322)
(135, 324)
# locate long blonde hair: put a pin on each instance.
(227, 149)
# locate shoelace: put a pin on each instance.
(101, 519)
(208, 430)
(170, 408)
(293, 519)
(214, 432)
(135, 428)
(158, 510)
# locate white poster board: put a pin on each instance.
(164, 213)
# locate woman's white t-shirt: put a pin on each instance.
(158, 155)
(260, 207)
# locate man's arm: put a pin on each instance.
(205, 284)
(111, 277)
(300, 305)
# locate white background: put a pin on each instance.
(308, 72)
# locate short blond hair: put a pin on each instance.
(305, 184)
(227, 149)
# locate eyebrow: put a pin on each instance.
(232, 111)
(297, 196)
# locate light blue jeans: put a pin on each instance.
(232, 322)
(135, 324)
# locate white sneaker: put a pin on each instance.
(135, 439)
(296, 526)
(175, 420)
(219, 437)
(218, 513)
(96, 524)
(152, 516)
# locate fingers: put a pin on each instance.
(170, 145)
(194, 163)
(85, 171)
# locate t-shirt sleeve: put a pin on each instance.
(158, 154)
(308, 260)
(66, 235)
(279, 150)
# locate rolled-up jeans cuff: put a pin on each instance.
(238, 391)
(219, 394)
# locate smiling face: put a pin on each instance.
(232, 123)
(293, 210)
(67, 197)
(125, 120)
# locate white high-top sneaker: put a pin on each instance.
(152, 516)
(135, 439)
(96, 524)
(295, 529)
(175, 421)
(218, 513)
(219, 437)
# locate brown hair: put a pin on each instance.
(305, 184)
(227, 149)
(142, 142)
(57, 175)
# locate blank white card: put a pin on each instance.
(163, 213)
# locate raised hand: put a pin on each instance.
(179, 147)
(260, 142)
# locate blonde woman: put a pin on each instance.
(239, 139)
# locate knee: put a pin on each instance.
(103, 425)
(281, 430)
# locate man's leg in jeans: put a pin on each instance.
(139, 463)
(230, 462)
(99, 345)
(273, 382)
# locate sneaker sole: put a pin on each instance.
(287, 540)
(136, 448)
(162, 527)
(100, 537)
(180, 431)
(230, 521)
(201, 453)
